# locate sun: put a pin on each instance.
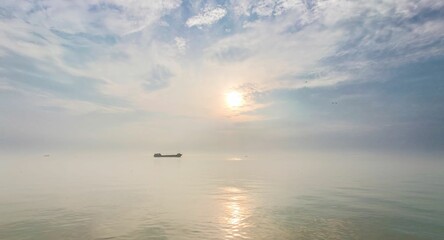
(234, 99)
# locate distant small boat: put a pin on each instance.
(171, 155)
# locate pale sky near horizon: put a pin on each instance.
(130, 75)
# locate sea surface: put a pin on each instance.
(221, 197)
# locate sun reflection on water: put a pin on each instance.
(236, 211)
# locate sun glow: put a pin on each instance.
(234, 99)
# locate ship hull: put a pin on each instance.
(158, 155)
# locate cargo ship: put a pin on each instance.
(171, 155)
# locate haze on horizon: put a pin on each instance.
(221, 76)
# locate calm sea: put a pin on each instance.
(221, 197)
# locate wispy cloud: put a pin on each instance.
(271, 44)
(178, 58)
(181, 44)
(207, 17)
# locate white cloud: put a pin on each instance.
(30, 33)
(95, 16)
(289, 38)
(138, 14)
(181, 44)
(266, 8)
(207, 17)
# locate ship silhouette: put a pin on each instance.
(170, 155)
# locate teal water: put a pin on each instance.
(218, 197)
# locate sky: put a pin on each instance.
(134, 75)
